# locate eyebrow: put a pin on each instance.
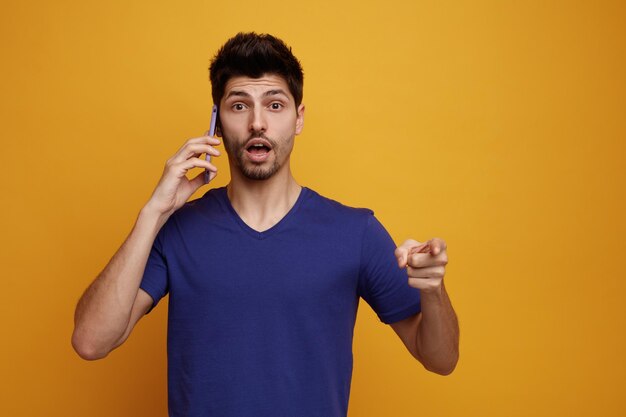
(239, 93)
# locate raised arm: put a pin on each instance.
(113, 303)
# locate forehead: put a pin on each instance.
(257, 86)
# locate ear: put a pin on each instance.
(300, 119)
(218, 127)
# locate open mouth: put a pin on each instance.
(258, 149)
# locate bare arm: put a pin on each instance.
(432, 336)
(103, 313)
(113, 303)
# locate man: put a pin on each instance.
(264, 276)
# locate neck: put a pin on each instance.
(263, 203)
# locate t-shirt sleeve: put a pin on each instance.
(382, 284)
(155, 276)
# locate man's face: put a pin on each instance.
(258, 123)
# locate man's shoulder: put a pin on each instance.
(323, 205)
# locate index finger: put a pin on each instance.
(437, 245)
(205, 139)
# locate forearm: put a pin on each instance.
(438, 332)
(103, 312)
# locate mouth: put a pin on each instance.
(258, 149)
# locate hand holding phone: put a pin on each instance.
(211, 133)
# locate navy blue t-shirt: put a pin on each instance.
(261, 323)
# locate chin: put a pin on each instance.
(259, 173)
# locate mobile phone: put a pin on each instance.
(211, 133)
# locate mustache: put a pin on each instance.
(260, 135)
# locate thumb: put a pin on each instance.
(401, 253)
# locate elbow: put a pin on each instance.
(443, 369)
(86, 350)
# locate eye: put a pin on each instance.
(238, 106)
(276, 106)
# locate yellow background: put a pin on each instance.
(497, 126)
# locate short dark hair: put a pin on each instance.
(254, 55)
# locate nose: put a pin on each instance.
(257, 120)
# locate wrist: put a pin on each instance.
(435, 292)
(151, 216)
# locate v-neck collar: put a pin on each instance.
(223, 197)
